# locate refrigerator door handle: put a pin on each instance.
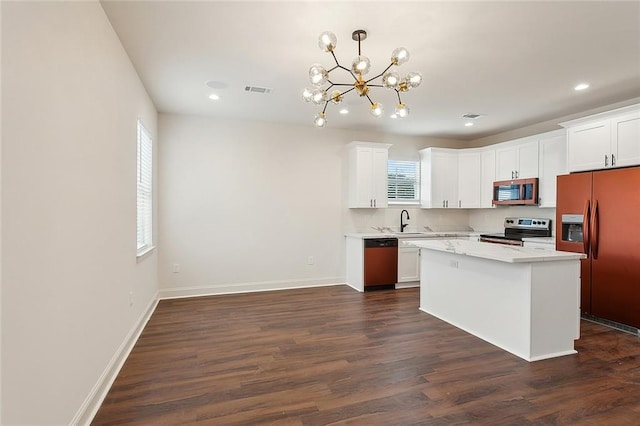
(594, 230)
(585, 227)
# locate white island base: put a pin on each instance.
(525, 301)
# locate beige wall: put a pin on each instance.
(70, 102)
(244, 204)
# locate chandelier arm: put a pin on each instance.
(325, 107)
(334, 58)
(375, 85)
(398, 93)
(337, 66)
(370, 101)
(381, 74)
(347, 91)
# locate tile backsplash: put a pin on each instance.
(483, 220)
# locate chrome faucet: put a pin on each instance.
(403, 225)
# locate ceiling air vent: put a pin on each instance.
(471, 116)
(257, 89)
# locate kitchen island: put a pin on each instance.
(523, 300)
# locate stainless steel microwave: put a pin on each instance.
(516, 192)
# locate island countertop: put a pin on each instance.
(498, 252)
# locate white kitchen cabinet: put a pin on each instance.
(625, 139)
(469, 182)
(605, 140)
(553, 162)
(408, 264)
(517, 160)
(439, 175)
(487, 176)
(368, 174)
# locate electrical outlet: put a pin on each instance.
(310, 260)
(176, 268)
(130, 298)
(453, 263)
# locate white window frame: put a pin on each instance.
(144, 192)
(412, 168)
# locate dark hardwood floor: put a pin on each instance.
(333, 356)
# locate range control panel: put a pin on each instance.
(527, 223)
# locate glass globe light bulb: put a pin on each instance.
(327, 41)
(402, 110)
(318, 75)
(390, 80)
(320, 120)
(399, 56)
(318, 96)
(414, 79)
(361, 65)
(376, 109)
(307, 94)
(336, 97)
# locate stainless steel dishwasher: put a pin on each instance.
(380, 263)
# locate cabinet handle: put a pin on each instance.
(511, 174)
(606, 160)
(459, 203)
(447, 203)
(370, 202)
(374, 203)
(442, 203)
(613, 160)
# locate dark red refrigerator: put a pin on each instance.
(598, 213)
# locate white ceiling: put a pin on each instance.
(515, 62)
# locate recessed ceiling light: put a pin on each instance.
(581, 86)
(344, 111)
(214, 97)
(468, 124)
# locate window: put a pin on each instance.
(144, 229)
(404, 182)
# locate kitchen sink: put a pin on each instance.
(410, 234)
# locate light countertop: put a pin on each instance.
(498, 252)
(413, 235)
(543, 240)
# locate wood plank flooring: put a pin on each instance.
(332, 355)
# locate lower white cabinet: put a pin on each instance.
(408, 264)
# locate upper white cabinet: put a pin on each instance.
(487, 176)
(469, 182)
(439, 175)
(605, 140)
(368, 174)
(517, 160)
(553, 162)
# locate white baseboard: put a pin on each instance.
(92, 403)
(250, 287)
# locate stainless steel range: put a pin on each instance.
(517, 228)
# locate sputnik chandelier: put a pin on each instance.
(361, 65)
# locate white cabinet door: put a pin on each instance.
(439, 175)
(527, 160)
(589, 146)
(625, 140)
(469, 167)
(506, 163)
(487, 177)
(408, 264)
(518, 160)
(553, 162)
(368, 175)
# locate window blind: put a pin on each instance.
(403, 181)
(144, 204)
